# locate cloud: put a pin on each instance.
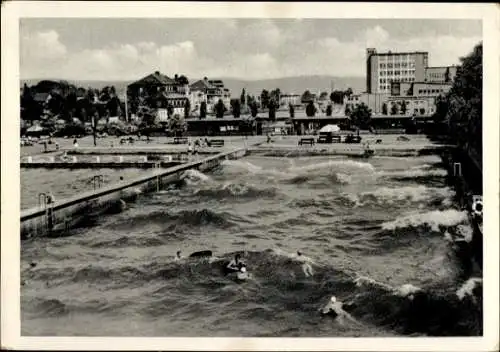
(43, 46)
(253, 49)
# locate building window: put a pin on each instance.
(389, 65)
(382, 65)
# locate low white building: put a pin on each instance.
(287, 99)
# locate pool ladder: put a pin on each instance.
(98, 180)
(45, 201)
(157, 165)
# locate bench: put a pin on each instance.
(331, 139)
(180, 140)
(217, 143)
(309, 141)
(129, 140)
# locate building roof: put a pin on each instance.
(424, 82)
(200, 85)
(154, 79)
(455, 66)
(399, 53)
(431, 82)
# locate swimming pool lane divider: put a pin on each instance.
(74, 210)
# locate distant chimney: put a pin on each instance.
(371, 51)
(157, 73)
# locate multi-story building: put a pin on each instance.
(419, 98)
(210, 91)
(157, 91)
(419, 89)
(384, 68)
(440, 74)
(198, 94)
(374, 101)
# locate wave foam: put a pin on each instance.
(467, 289)
(410, 193)
(434, 219)
(414, 173)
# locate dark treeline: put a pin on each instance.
(51, 101)
(461, 108)
(59, 100)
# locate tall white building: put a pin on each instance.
(384, 68)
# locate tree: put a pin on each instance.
(219, 109)
(447, 75)
(275, 95)
(254, 109)
(264, 98)
(323, 96)
(422, 111)
(348, 92)
(272, 110)
(187, 108)
(337, 97)
(70, 106)
(307, 97)
(177, 125)
(464, 114)
(310, 109)
(292, 110)
(384, 109)
(394, 109)
(181, 79)
(242, 97)
(329, 110)
(403, 108)
(441, 108)
(361, 116)
(347, 111)
(94, 114)
(236, 108)
(170, 110)
(203, 110)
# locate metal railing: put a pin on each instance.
(98, 180)
(90, 195)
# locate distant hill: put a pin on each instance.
(253, 87)
(296, 84)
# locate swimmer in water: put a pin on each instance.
(334, 309)
(306, 267)
(243, 274)
(178, 255)
(235, 264)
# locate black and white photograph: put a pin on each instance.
(253, 176)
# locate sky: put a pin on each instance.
(250, 49)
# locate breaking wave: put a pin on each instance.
(433, 219)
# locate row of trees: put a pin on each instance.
(67, 102)
(461, 108)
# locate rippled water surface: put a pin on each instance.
(372, 229)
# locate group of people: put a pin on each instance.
(334, 308)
